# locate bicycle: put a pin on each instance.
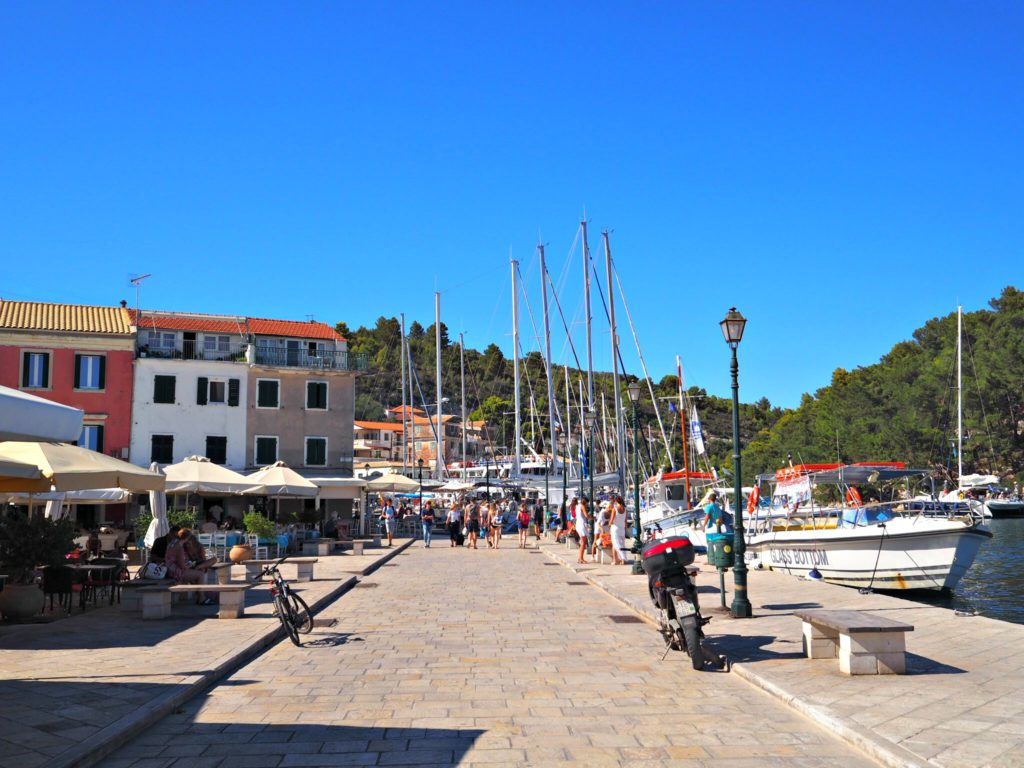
(289, 607)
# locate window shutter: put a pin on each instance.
(78, 371)
(310, 395)
(202, 389)
(233, 391)
(46, 370)
(99, 438)
(25, 357)
(103, 371)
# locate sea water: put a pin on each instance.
(994, 585)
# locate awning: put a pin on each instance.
(339, 487)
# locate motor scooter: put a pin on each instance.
(670, 583)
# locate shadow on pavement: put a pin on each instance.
(753, 648)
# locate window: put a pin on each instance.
(217, 391)
(163, 389)
(316, 395)
(316, 451)
(268, 393)
(217, 449)
(162, 450)
(92, 437)
(215, 346)
(35, 370)
(161, 341)
(266, 450)
(90, 371)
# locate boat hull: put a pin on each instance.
(914, 553)
(1000, 508)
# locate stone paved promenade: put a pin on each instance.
(456, 657)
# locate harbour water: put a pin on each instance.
(994, 586)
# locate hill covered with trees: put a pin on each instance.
(902, 408)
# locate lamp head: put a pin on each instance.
(419, 463)
(634, 391)
(732, 327)
(590, 417)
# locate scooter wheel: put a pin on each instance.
(693, 646)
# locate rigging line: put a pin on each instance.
(435, 425)
(565, 325)
(533, 322)
(981, 402)
(643, 363)
(476, 389)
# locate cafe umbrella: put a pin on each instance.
(280, 481)
(65, 467)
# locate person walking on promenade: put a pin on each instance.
(486, 513)
(472, 524)
(523, 524)
(617, 527)
(454, 522)
(497, 523)
(601, 528)
(582, 527)
(715, 515)
(427, 519)
(390, 518)
(537, 515)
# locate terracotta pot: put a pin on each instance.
(240, 553)
(21, 601)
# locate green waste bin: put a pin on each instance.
(720, 552)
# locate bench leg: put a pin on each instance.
(303, 571)
(131, 600)
(156, 605)
(357, 548)
(232, 604)
(224, 575)
(873, 653)
(252, 571)
(820, 643)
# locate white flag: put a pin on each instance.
(696, 432)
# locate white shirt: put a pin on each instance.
(581, 521)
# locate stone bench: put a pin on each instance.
(156, 600)
(303, 568)
(866, 643)
(131, 600)
(321, 547)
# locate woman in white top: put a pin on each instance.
(582, 528)
(617, 525)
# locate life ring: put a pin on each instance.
(753, 499)
(853, 497)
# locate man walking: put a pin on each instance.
(454, 522)
(427, 518)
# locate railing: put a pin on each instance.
(195, 350)
(302, 358)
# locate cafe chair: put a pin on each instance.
(60, 581)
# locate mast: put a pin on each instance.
(959, 399)
(604, 433)
(462, 378)
(515, 365)
(683, 427)
(587, 317)
(547, 359)
(438, 434)
(412, 408)
(568, 420)
(405, 435)
(620, 427)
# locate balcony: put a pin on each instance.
(196, 350)
(291, 357)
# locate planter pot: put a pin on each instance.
(21, 601)
(240, 553)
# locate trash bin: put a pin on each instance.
(720, 552)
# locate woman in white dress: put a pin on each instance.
(617, 519)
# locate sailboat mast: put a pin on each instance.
(683, 427)
(547, 358)
(412, 408)
(462, 379)
(405, 434)
(438, 434)
(620, 427)
(515, 364)
(587, 317)
(959, 398)
(568, 418)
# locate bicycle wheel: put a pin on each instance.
(301, 614)
(284, 613)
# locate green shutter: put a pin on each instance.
(46, 370)
(202, 390)
(78, 371)
(233, 391)
(24, 369)
(99, 438)
(103, 372)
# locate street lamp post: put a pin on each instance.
(591, 418)
(560, 438)
(634, 397)
(732, 330)
(419, 464)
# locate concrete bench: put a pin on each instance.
(156, 600)
(321, 547)
(866, 643)
(358, 545)
(303, 568)
(131, 600)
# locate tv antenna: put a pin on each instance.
(137, 281)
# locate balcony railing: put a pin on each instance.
(301, 358)
(196, 350)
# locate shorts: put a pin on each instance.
(473, 526)
(522, 526)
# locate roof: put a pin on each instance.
(194, 321)
(404, 408)
(73, 318)
(389, 425)
(433, 419)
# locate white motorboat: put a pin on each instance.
(895, 545)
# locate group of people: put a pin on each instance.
(183, 556)
(468, 520)
(606, 528)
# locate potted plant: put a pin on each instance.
(257, 525)
(25, 544)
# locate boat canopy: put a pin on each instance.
(856, 474)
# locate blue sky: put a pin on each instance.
(841, 172)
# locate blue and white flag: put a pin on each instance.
(696, 433)
(584, 466)
(672, 407)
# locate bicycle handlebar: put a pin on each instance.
(272, 567)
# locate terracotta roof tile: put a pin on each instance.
(388, 425)
(74, 318)
(293, 329)
(192, 321)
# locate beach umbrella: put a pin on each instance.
(27, 417)
(197, 474)
(158, 526)
(280, 481)
(394, 483)
(71, 468)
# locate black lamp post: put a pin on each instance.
(732, 330)
(565, 473)
(487, 471)
(634, 397)
(591, 418)
(419, 464)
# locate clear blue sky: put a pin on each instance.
(840, 171)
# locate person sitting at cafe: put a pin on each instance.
(177, 562)
(93, 546)
(158, 552)
(195, 551)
